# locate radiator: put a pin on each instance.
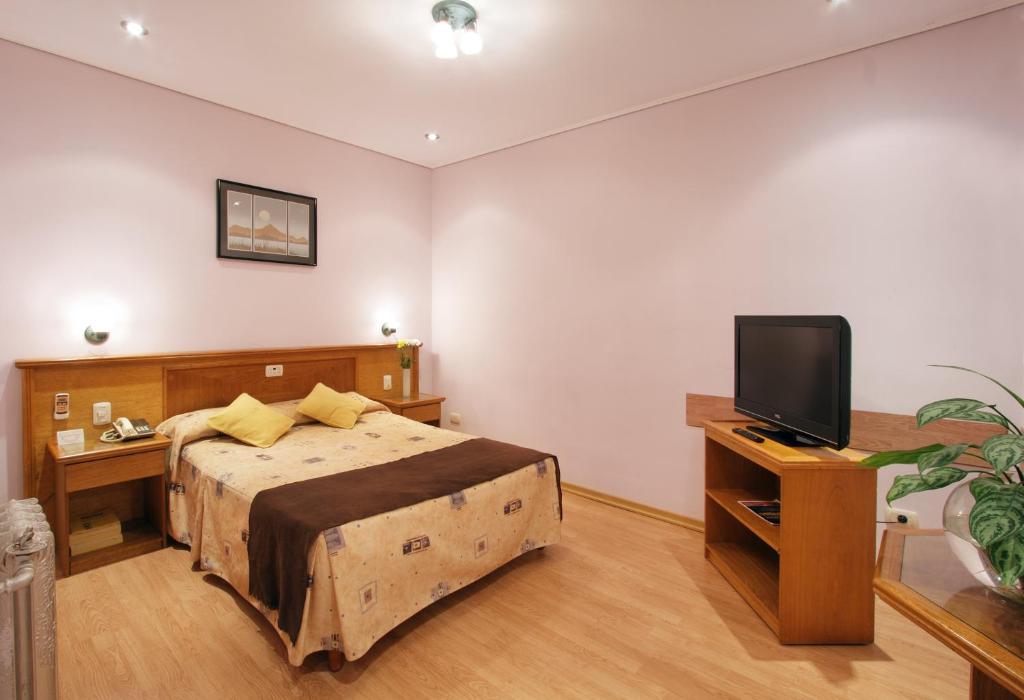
(28, 654)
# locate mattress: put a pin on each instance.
(369, 575)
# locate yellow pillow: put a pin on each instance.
(332, 408)
(252, 422)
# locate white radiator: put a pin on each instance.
(28, 654)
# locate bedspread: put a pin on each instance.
(368, 575)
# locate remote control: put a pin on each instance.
(748, 435)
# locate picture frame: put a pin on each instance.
(257, 223)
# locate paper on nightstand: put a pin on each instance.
(70, 442)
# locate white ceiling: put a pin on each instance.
(363, 71)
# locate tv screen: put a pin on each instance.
(794, 373)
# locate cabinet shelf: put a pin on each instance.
(139, 538)
(754, 573)
(730, 499)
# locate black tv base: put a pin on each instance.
(786, 437)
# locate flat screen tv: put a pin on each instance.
(793, 372)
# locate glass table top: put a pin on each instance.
(931, 569)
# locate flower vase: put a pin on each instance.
(956, 522)
(406, 382)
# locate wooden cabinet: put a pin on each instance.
(810, 577)
(425, 408)
(127, 477)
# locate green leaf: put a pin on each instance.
(984, 417)
(1005, 388)
(996, 516)
(984, 486)
(946, 408)
(1007, 556)
(940, 477)
(940, 458)
(883, 459)
(937, 478)
(1003, 451)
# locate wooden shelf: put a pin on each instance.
(729, 500)
(810, 577)
(139, 538)
(754, 573)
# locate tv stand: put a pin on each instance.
(809, 578)
(785, 437)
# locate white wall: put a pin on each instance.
(582, 284)
(108, 207)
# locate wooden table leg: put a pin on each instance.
(335, 659)
(60, 532)
(984, 687)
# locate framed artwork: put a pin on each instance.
(254, 223)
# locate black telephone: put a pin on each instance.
(124, 430)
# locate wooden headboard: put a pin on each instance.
(156, 387)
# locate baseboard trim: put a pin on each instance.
(634, 507)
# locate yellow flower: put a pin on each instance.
(401, 344)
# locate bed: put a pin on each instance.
(394, 553)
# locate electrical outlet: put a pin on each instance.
(455, 418)
(387, 382)
(903, 518)
(275, 370)
(101, 413)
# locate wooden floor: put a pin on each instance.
(624, 607)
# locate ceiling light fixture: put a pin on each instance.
(431, 136)
(134, 28)
(454, 29)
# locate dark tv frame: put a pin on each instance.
(797, 430)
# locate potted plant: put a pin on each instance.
(405, 358)
(983, 516)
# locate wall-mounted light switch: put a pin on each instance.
(275, 370)
(455, 418)
(387, 382)
(101, 413)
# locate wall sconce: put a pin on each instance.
(388, 330)
(96, 337)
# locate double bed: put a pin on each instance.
(405, 514)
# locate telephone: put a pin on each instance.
(124, 429)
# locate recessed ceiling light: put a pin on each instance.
(133, 27)
(431, 136)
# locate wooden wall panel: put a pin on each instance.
(134, 390)
(150, 386)
(869, 430)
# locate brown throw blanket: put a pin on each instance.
(285, 521)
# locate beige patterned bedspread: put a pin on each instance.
(368, 575)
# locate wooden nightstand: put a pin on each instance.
(426, 408)
(125, 476)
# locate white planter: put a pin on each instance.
(406, 383)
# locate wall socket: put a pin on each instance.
(101, 413)
(387, 382)
(275, 370)
(455, 418)
(892, 517)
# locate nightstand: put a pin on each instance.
(127, 477)
(425, 408)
